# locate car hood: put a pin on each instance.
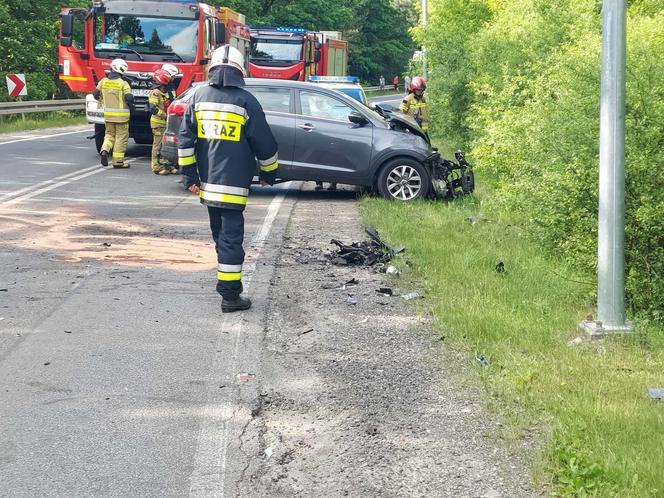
(406, 122)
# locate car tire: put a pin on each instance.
(100, 131)
(403, 179)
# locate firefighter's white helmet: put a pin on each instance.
(170, 69)
(227, 55)
(119, 66)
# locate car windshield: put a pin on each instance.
(163, 38)
(266, 50)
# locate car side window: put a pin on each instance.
(272, 99)
(319, 105)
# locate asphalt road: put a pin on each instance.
(118, 374)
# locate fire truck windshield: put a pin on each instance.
(266, 51)
(146, 38)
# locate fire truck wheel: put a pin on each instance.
(404, 179)
(100, 130)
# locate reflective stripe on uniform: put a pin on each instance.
(270, 167)
(116, 112)
(156, 120)
(221, 116)
(224, 198)
(186, 157)
(268, 161)
(186, 161)
(226, 277)
(214, 106)
(230, 268)
(118, 155)
(224, 189)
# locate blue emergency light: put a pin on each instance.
(291, 30)
(334, 79)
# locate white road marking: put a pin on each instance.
(47, 185)
(209, 472)
(41, 137)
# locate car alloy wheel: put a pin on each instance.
(404, 179)
(404, 183)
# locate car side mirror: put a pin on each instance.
(67, 23)
(357, 118)
(219, 33)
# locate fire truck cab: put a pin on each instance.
(296, 54)
(147, 34)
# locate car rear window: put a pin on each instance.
(272, 99)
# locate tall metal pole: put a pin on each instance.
(424, 50)
(611, 234)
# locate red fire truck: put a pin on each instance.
(296, 54)
(147, 34)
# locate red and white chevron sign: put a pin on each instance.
(16, 85)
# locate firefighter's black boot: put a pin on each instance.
(239, 304)
(104, 158)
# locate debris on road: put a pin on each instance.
(365, 253)
(268, 452)
(482, 361)
(246, 377)
(392, 270)
(412, 295)
(656, 393)
(385, 291)
(306, 331)
(351, 301)
(67, 331)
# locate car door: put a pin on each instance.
(278, 105)
(328, 147)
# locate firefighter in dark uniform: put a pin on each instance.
(117, 99)
(223, 133)
(414, 104)
(159, 99)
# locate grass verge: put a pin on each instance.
(588, 401)
(36, 121)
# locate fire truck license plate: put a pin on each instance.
(140, 92)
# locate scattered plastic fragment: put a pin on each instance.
(268, 452)
(366, 253)
(67, 331)
(385, 291)
(352, 281)
(351, 300)
(412, 295)
(106, 244)
(306, 331)
(246, 377)
(392, 270)
(482, 361)
(656, 393)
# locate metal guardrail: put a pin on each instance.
(41, 106)
(29, 106)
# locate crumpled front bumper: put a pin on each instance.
(450, 179)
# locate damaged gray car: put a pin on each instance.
(326, 136)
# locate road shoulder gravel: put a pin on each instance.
(356, 395)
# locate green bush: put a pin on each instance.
(527, 97)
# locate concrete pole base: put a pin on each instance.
(597, 330)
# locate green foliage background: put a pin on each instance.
(519, 80)
(377, 32)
